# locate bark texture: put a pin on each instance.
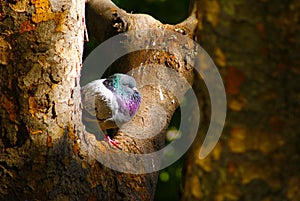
(45, 153)
(41, 45)
(105, 18)
(256, 47)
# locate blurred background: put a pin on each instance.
(166, 11)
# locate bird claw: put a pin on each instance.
(112, 142)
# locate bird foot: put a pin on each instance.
(112, 142)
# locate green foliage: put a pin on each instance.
(169, 185)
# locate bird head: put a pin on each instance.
(124, 88)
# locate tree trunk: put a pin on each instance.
(45, 152)
(256, 47)
(41, 45)
(148, 63)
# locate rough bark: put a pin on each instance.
(105, 18)
(41, 45)
(256, 47)
(45, 153)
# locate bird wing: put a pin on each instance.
(97, 105)
(103, 110)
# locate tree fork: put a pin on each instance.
(45, 152)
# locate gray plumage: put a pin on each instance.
(109, 103)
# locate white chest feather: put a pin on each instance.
(99, 101)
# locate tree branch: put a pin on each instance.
(104, 20)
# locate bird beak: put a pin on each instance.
(135, 89)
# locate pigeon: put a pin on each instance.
(109, 103)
